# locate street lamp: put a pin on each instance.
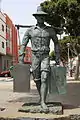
(68, 45)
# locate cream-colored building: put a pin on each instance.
(2, 34)
(2, 39)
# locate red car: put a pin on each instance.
(5, 73)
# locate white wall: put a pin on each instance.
(2, 33)
(11, 47)
(2, 50)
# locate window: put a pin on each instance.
(2, 44)
(10, 33)
(3, 28)
(8, 43)
(7, 29)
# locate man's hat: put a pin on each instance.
(39, 11)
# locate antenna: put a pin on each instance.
(0, 4)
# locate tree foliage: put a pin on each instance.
(52, 18)
(64, 47)
(63, 13)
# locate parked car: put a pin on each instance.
(5, 73)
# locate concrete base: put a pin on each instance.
(54, 108)
(21, 76)
(71, 117)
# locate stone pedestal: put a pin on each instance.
(71, 117)
(21, 76)
(54, 108)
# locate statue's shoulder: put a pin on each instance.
(29, 30)
(33, 27)
(50, 28)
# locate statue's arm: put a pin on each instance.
(25, 41)
(56, 47)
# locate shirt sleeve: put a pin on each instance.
(26, 38)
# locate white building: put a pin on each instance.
(2, 34)
(2, 38)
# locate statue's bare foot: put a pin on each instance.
(44, 107)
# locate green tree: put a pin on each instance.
(52, 55)
(64, 48)
(53, 19)
(65, 14)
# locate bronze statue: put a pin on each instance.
(40, 36)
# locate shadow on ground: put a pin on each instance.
(70, 100)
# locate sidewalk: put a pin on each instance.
(6, 79)
(12, 101)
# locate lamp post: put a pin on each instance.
(68, 45)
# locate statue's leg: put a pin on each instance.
(36, 71)
(38, 85)
(45, 69)
(44, 89)
(37, 80)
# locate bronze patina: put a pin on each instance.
(40, 36)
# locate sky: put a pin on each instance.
(20, 12)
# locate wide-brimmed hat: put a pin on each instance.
(39, 11)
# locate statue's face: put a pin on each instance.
(40, 18)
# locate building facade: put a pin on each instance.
(2, 39)
(8, 43)
(14, 45)
(8, 57)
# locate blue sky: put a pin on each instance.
(20, 11)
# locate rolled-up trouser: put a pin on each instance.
(40, 63)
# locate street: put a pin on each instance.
(12, 101)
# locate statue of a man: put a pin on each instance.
(40, 36)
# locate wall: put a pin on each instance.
(14, 45)
(11, 45)
(2, 34)
(0, 63)
(6, 62)
(2, 46)
(8, 35)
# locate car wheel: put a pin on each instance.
(6, 75)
